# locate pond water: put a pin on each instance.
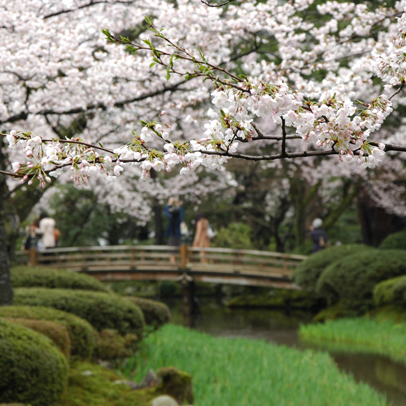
(276, 326)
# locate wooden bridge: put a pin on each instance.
(210, 265)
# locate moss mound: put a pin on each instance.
(391, 292)
(353, 278)
(394, 241)
(101, 310)
(54, 331)
(112, 346)
(81, 333)
(156, 314)
(32, 369)
(308, 272)
(93, 385)
(337, 311)
(278, 299)
(175, 383)
(27, 277)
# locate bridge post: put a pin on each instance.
(183, 257)
(33, 257)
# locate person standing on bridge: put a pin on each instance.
(319, 236)
(174, 213)
(46, 232)
(201, 239)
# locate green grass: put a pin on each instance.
(361, 335)
(241, 372)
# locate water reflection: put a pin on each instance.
(380, 372)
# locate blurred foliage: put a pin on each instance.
(394, 241)
(235, 235)
(83, 221)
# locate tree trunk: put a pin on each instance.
(6, 291)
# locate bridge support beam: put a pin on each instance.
(189, 301)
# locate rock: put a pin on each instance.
(175, 383)
(87, 373)
(150, 380)
(164, 400)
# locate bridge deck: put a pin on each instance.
(213, 265)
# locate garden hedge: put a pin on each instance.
(54, 331)
(112, 346)
(353, 278)
(32, 369)
(394, 241)
(29, 277)
(101, 310)
(308, 272)
(391, 291)
(81, 333)
(156, 314)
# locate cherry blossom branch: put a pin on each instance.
(217, 5)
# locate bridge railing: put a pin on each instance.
(145, 258)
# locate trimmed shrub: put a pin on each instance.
(391, 291)
(27, 277)
(81, 333)
(353, 278)
(394, 241)
(112, 346)
(101, 310)
(32, 369)
(308, 272)
(54, 331)
(156, 314)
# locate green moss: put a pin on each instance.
(156, 314)
(32, 369)
(175, 383)
(81, 333)
(101, 310)
(338, 311)
(282, 298)
(353, 278)
(28, 277)
(112, 346)
(396, 314)
(391, 291)
(394, 241)
(93, 385)
(54, 331)
(308, 272)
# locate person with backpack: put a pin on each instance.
(318, 235)
(174, 213)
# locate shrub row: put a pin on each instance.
(101, 310)
(349, 273)
(308, 272)
(394, 241)
(81, 333)
(28, 277)
(391, 291)
(156, 314)
(353, 278)
(57, 333)
(32, 369)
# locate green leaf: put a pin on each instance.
(152, 64)
(101, 145)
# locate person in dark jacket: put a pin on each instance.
(319, 236)
(174, 213)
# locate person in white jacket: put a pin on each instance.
(47, 232)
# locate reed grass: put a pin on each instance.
(361, 335)
(242, 372)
